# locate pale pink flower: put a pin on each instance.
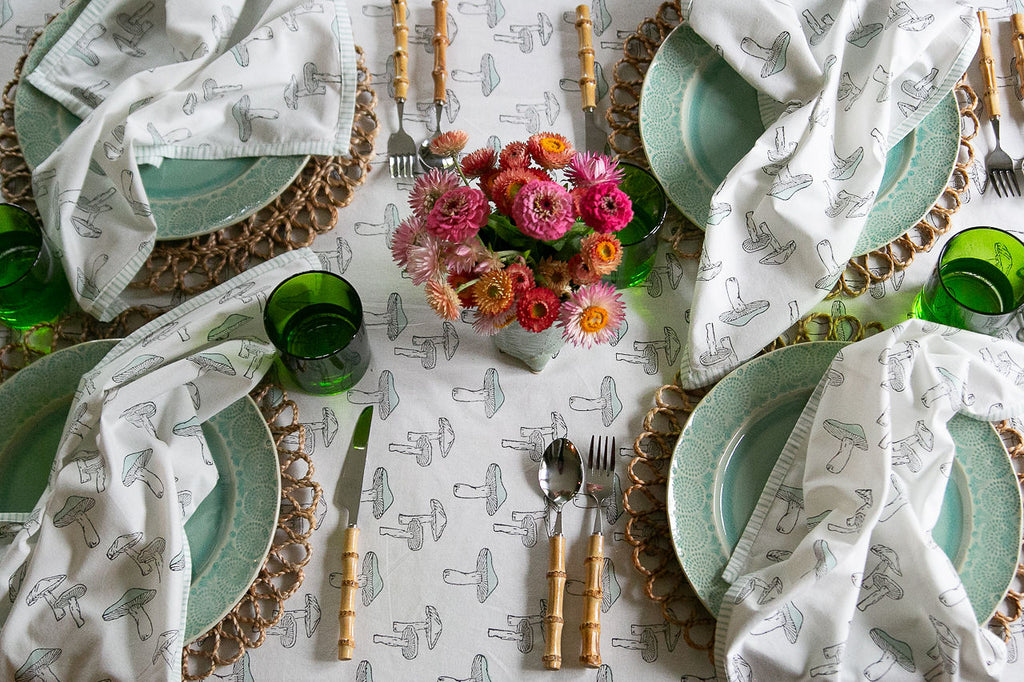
(592, 315)
(464, 257)
(606, 208)
(449, 143)
(543, 210)
(425, 260)
(428, 188)
(458, 214)
(489, 325)
(406, 235)
(588, 168)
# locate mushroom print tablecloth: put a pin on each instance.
(862, 586)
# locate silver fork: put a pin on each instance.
(401, 146)
(998, 164)
(600, 480)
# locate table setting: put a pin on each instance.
(482, 340)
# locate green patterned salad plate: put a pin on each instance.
(698, 117)
(731, 442)
(188, 197)
(230, 531)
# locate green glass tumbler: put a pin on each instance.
(640, 237)
(33, 288)
(977, 283)
(315, 319)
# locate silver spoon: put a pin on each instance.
(440, 74)
(560, 477)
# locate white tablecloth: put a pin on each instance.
(532, 47)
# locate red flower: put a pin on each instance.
(537, 309)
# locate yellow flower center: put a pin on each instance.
(552, 144)
(593, 319)
(606, 251)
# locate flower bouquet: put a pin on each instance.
(521, 236)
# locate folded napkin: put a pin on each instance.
(855, 77)
(863, 589)
(183, 368)
(185, 79)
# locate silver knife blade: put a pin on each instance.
(350, 484)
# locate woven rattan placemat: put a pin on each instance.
(645, 500)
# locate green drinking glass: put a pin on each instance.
(640, 237)
(977, 283)
(33, 287)
(315, 319)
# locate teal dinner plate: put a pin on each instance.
(698, 117)
(188, 197)
(729, 446)
(229, 533)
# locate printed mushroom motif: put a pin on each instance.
(385, 398)
(824, 559)
(165, 648)
(610, 588)
(526, 528)
(882, 586)
(44, 589)
(477, 672)
(888, 560)
(950, 386)
(894, 652)
(379, 493)
(850, 436)
(793, 498)
(76, 510)
(91, 468)
(364, 672)
(133, 604)
(834, 656)
(15, 581)
(371, 583)
(140, 416)
(134, 469)
(412, 533)
(430, 626)
(407, 641)
(483, 577)
(193, 428)
(607, 403)
(904, 451)
(437, 519)
(393, 317)
(740, 313)
(768, 589)
(212, 362)
(37, 666)
(490, 394)
(225, 329)
(448, 340)
(895, 362)
(287, 626)
(151, 556)
(787, 618)
(945, 650)
(492, 490)
(898, 501)
(136, 368)
(522, 629)
(423, 450)
(646, 643)
(68, 602)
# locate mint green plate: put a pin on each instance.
(698, 117)
(188, 198)
(729, 446)
(229, 533)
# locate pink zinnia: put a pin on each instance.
(428, 188)
(537, 309)
(458, 214)
(588, 169)
(606, 208)
(592, 315)
(543, 210)
(406, 235)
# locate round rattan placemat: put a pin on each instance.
(647, 528)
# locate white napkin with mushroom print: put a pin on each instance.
(853, 77)
(862, 590)
(185, 367)
(184, 79)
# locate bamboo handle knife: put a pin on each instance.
(553, 618)
(988, 71)
(349, 586)
(440, 42)
(590, 628)
(588, 83)
(1017, 40)
(401, 33)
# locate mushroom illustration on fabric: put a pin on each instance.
(612, 506)
(489, 78)
(773, 56)
(325, 429)
(833, 656)
(896, 363)
(521, 629)
(951, 387)
(254, 353)
(371, 582)
(844, 167)
(648, 356)
(787, 618)
(61, 604)
(832, 269)
(91, 467)
(364, 672)
(717, 350)
(740, 312)
(133, 604)
(76, 510)
(76, 425)
(853, 523)
(536, 437)
(894, 652)
(478, 672)
(824, 559)
(85, 280)
(385, 398)
(148, 558)
(897, 501)
(212, 362)
(37, 665)
(244, 113)
(225, 329)
(436, 519)
(287, 626)
(15, 581)
(882, 586)
(492, 490)
(945, 651)
(141, 416)
(379, 493)
(338, 259)
(527, 526)
(193, 428)
(850, 436)
(392, 318)
(905, 451)
(421, 443)
(707, 269)
(645, 639)
(766, 590)
(165, 648)
(134, 470)
(610, 588)
(132, 371)
(483, 578)
(430, 626)
(490, 393)
(819, 25)
(426, 347)
(793, 499)
(607, 403)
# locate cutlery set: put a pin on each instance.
(999, 167)
(561, 476)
